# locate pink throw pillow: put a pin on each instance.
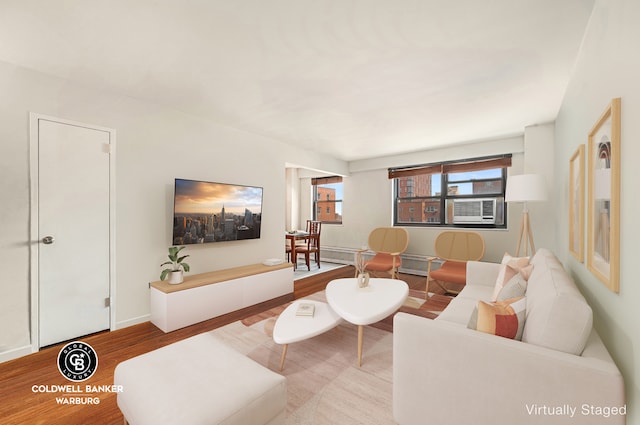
(509, 267)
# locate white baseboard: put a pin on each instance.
(414, 272)
(413, 264)
(132, 322)
(337, 261)
(15, 353)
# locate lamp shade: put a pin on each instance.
(526, 188)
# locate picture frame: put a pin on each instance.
(603, 215)
(576, 204)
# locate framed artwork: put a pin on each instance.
(603, 215)
(576, 204)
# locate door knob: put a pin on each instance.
(48, 240)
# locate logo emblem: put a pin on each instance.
(77, 361)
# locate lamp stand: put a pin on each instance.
(525, 234)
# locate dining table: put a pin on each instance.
(292, 237)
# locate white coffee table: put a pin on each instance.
(290, 327)
(363, 306)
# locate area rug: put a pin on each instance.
(324, 384)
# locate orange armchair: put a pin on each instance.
(388, 243)
(453, 250)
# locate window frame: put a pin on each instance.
(442, 196)
(318, 203)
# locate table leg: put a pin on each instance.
(360, 338)
(284, 354)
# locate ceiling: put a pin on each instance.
(353, 79)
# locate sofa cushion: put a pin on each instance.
(460, 308)
(509, 267)
(476, 292)
(502, 318)
(516, 287)
(558, 317)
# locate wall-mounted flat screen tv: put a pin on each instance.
(206, 212)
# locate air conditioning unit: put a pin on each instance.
(474, 211)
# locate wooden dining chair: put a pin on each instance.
(312, 244)
(287, 251)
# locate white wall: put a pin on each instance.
(154, 145)
(292, 204)
(608, 67)
(539, 159)
(368, 196)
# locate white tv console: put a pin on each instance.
(205, 296)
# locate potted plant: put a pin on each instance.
(175, 272)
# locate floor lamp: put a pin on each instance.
(526, 188)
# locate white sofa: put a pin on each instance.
(560, 373)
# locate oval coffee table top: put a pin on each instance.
(290, 327)
(363, 306)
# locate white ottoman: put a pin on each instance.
(199, 381)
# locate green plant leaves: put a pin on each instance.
(176, 262)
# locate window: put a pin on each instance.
(467, 193)
(327, 199)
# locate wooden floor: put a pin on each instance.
(20, 404)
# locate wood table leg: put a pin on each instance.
(284, 354)
(360, 338)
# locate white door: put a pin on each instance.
(74, 233)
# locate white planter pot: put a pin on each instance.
(176, 277)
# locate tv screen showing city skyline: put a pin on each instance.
(206, 212)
